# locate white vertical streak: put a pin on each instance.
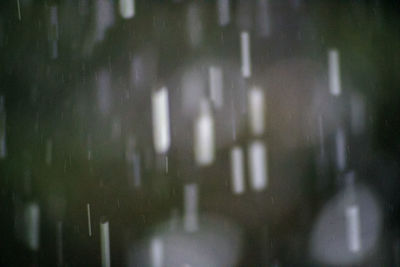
(204, 143)
(245, 54)
(353, 228)
(19, 10)
(190, 208)
(32, 221)
(334, 72)
(156, 252)
(105, 244)
(256, 110)
(89, 221)
(340, 143)
(258, 165)
(194, 24)
(237, 170)
(224, 16)
(216, 84)
(161, 130)
(127, 8)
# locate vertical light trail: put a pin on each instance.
(334, 72)
(161, 124)
(245, 54)
(256, 110)
(216, 85)
(156, 252)
(190, 208)
(19, 10)
(224, 16)
(353, 228)
(127, 8)
(258, 165)
(340, 143)
(204, 140)
(32, 220)
(89, 221)
(105, 244)
(237, 170)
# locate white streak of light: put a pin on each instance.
(49, 151)
(204, 143)
(216, 84)
(161, 127)
(191, 208)
(353, 228)
(105, 244)
(89, 221)
(340, 142)
(19, 10)
(166, 165)
(258, 165)
(127, 8)
(237, 170)
(245, 54)
(194, 24)
(157, 252)
(256, 110)
(334, 72)
(32, 220)
(224, 16)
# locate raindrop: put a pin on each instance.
(334, 72)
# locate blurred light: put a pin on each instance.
(334, 72)
(156, 251)
(32, 225)
(105, 244)
(258, 165)
(216, 84)
(340, 149)
(204, 139)
(245, 54)
(194, 24)
(348, 227)
(224, 15)
(237, 170)
(127, 8)
(161, 124)
(89, 220)
(256, 110)
(191, 207)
